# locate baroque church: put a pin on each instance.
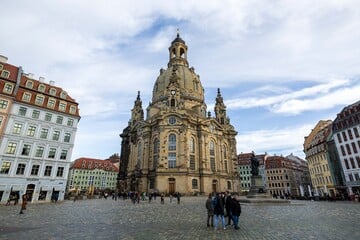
(178, 146)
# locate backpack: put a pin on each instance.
(214, 201)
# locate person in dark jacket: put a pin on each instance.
(219, 210)
(235, 210)
(210, 211)
(228, 199)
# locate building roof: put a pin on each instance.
(348, 117)
(92, 163)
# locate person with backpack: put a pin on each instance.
(219, 204)
(235, 209)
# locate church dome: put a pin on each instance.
(178, 74)
(188, 81)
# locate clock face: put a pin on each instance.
(173, 92)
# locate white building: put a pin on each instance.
(37, 136)
(346, 130)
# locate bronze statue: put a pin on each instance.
(254, 165)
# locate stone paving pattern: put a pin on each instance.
(109, 219)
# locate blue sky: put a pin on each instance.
(281, 65)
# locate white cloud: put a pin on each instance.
(274, 141)
(318, 97)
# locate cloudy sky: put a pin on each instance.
(281, 65)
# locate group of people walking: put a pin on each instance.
(220, 204)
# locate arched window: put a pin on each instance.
(192, 145)
(172, 142)
(156, 150)
(212, 156)
(225, 158)
(182, 53)
(172, 102)
(194, 183)
(192, 153)
(229, 185)
(172, 151)
(139, 154)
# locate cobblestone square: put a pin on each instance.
(109, 219)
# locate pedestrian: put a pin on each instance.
(218, 202)
(162, 198)
(24, 202)
(170, 197)
(235, 208)
(228, 200)
(210, 211)
(150, 197)
(178, 195)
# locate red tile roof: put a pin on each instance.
(92, 163)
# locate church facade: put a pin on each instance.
(178, 146)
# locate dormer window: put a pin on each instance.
(62, 106)
(51, 103)
(72, 109)
(39, 100)
(5, 74)
(26, 97)
(63, 95)
(41, 88)
(52, 91)
(29, 84)
(1, 67)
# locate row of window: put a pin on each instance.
(41, 88)
(319, 169)
(322, 180)
(274, 185)
(35, 114)
(278, 177)
(48, 117)
(51, 102)
(352, 162)
(354, 177)
(35, 169)
(355, 149)
(349, 134)
(39, 151)
(44, 132)
(92, 172)
(39, 101)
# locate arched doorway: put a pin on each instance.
(172, 185)
(214, 185)
(29, 191)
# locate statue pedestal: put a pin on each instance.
(257, 188)
(258, 195)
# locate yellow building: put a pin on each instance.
(88, 175)
(315, 149)
(179, 146)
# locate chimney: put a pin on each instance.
(41, 79)
(3, 59)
